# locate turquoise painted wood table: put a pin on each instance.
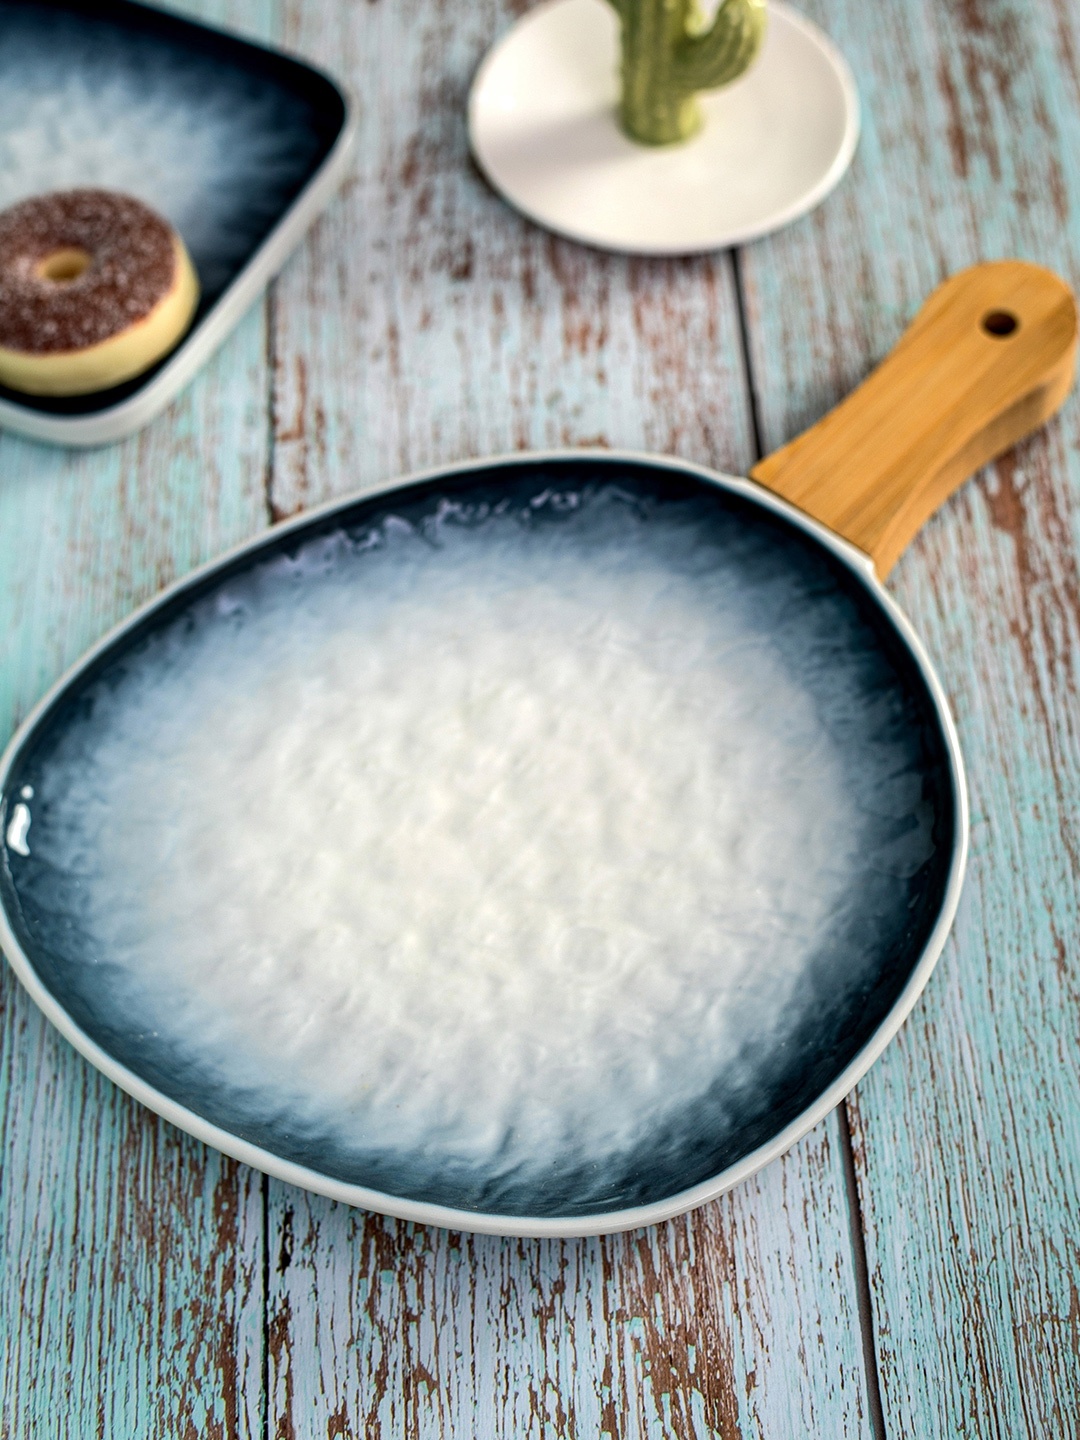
(913, 1266)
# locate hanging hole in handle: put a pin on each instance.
(1000, 323)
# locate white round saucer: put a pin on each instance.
(543, 130)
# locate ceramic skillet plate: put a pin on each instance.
(237, 145)
(538, 846)
(535, 842)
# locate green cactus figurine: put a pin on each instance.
(667, 57)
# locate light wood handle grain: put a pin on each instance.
(988, 358)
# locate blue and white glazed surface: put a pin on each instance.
(539, 849)
(154, 1287)
(205, 131)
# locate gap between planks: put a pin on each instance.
(855, 1215)
(847, 1149)
(272, 517)
(862, 1275)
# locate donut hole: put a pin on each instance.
(63, 266)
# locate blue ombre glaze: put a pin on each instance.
(218, 135)
(870, 696)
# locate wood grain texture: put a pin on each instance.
(425, 322)
(723, 1324)
(990, 357)
(450, 328)
(132, 1302)
(967, 1132)
(132, 1294)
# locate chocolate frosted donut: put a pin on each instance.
(94, 287)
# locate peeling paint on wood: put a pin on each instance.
(725, 1323)
(153, 1288)
(132, 1301)
(425, 322)
(967, 1132)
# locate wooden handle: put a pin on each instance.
(988, 358)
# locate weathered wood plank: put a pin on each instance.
(132, 1302)
(133, 1295)
(424, 323)
(967, 1136)
(727, 1323)
(133, 1299)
